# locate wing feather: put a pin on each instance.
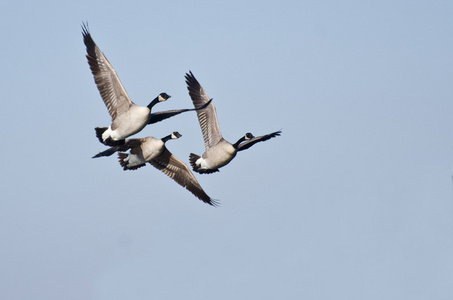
(109, 85)
(129, 144)
(250, 143)
(207, 117)
(162, 115)
(179, 172)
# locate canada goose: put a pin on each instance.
(218, 152)
(127, 117)
(153, 151)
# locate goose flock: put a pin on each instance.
(129, 118)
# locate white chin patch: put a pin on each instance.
(160, 98)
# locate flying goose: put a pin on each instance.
(127, 117)
(218, 151)
(153, 151)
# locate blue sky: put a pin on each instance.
(353, 201)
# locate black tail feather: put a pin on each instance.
(192, 159)
(99, 132)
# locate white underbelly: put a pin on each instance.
(129, 123)
(134, 160)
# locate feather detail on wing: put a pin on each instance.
(112, 91)
(179, 172)
(207, 117)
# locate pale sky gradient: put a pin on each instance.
(353, 201)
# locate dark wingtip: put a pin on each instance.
(214, 202)
(277, 133)
(107, 152)
(85, 28)
(190, 78)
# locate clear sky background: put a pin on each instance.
(353, 201)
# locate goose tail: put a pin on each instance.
(108, 141)
(123, 159)
(193, 161)
(99, 132)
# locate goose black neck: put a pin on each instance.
(152, 103)
(166, 138)
(236, 145)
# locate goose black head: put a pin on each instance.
(175, 135)
(163, 97)
(248, 136)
